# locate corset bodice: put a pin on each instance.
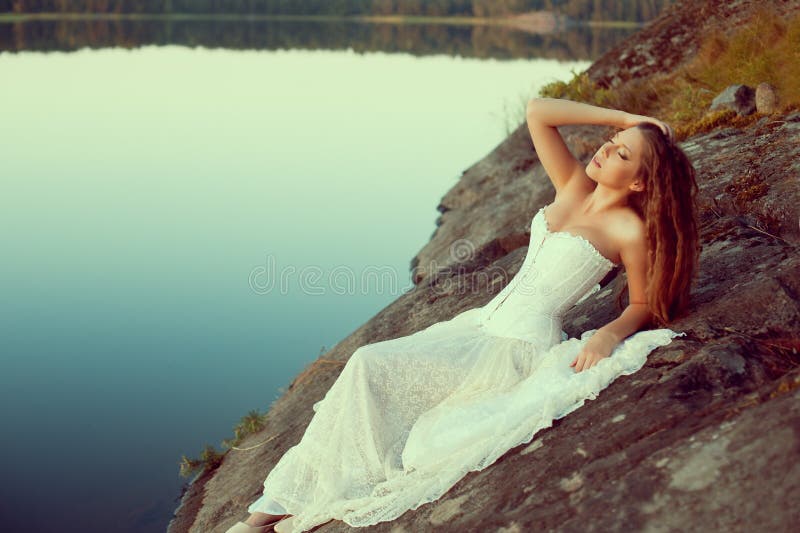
(559, 270)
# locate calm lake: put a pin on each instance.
(156, 178)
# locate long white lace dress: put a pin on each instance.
(408, 417)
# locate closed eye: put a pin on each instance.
(611, 140)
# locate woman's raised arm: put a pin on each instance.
(545, 114)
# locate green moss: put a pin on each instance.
(580, 89)
(686, 100)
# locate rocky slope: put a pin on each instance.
(710, 425)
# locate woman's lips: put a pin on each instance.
(594, 160)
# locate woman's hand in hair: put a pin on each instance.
(632, 120)
(599, 346)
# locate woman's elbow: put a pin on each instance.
(530, 109)
(538, 101)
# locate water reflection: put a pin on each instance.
(140, 191)
(580, 42)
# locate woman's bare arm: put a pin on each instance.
(558, 112)
(545, 114)
(633, 252)
(635, 316)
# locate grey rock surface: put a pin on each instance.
(706, 436)
(739, 98)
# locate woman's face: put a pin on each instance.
(616, 163)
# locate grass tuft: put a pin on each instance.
(210, 458)
(764, 49)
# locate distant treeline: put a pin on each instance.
(628, 10)
(580, 42)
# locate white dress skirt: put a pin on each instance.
(407, 418)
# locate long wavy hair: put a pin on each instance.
(668, 207)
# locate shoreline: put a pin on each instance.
(661, 48)
(512, 20)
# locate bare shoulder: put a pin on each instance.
(628, 231)
(627, 224)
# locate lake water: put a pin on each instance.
(146, 194)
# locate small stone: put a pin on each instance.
(740, 98)
(572, 483)
(513, 527)
(766, 99)
(535, 445)
(447, 509)
(662, 462)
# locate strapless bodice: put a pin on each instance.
(560, 269)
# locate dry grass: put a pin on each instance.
(766, 49)
(313, 367)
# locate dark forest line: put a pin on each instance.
(589, 10)
(478, 41)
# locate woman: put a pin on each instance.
(408, 417)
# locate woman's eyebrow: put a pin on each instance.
(623, 144)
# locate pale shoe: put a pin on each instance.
(285, 525)
(241, 527)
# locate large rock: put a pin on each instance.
(766, 99)
(739, 98)
(709, 426)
